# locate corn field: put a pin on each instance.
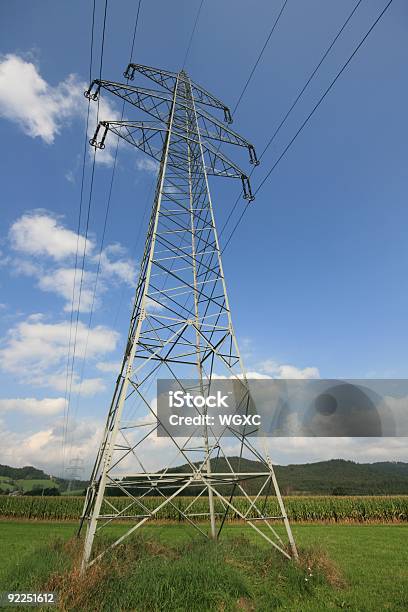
(331, 509)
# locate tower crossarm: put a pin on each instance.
(212, 128)
(155, 103)
(141, 135)
(148, 137)
(158, 105)
(167, 79)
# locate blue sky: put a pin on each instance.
(316, 271)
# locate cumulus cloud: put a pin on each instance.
(278, 370)
(42, 110)
(58, 381)
(43, 448)
(153, 306)
(39, 233)
(61, 281)
(147, 164)
(28, 100)
(109, 366)
(44, 247)
(35, 351)
(36, 341)
(30, 405)
(122, 269)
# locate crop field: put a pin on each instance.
(332, 509)
(360, 568)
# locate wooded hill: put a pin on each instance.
(335, 477)
(29, 480)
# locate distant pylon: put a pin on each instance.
(181, 322)
(74, 469)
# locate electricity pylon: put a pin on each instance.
(180, 325)
(74, 470)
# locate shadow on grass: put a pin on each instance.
(146, 575)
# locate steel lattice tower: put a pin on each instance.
(181, 321)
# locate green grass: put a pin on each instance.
(73, 493)
(162, 569)
(6, 484)
(29, 485)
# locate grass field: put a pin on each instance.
(6, 483)
(28, 485)
(373, 560)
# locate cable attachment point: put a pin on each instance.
(246, 186)
(93, 95)
(94, 141)
(130, 72)
(252, 156)
(227, 115)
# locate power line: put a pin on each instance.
(107, 209)
(79, 303)
(241, 96)
(105, 224)
(103, 39)
(340, 72)
(134, 32)
(193, 32)
(301, 92)
(275, 23)
(309, 117)
(251, 74)
(78, 228)
(65, 428)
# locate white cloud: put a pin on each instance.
(28, 100)
(147, 164)
(256, 375)
(43, 448)
(61, 282)
(250, 375)
(41, 234)
(29, 405)
(122, 269)
(278, 370)
(40, 342)
(153, 306)
(109, 366)
(36, 352)
(70, 176)
(58, 381)
(42, 110)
